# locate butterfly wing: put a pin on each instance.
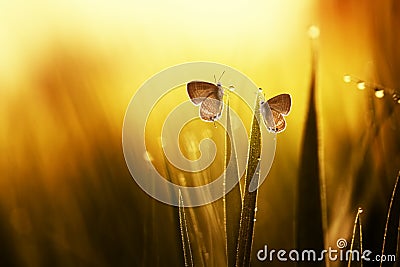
(281, 103)
(199, 91)
(279, 120)
(273, 111)
(211, 107)
(267, 115)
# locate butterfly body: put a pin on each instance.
(209, 96)
(273, 111)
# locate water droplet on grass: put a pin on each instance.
(361, 85)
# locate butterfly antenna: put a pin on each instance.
(215, 80)
(221, 75)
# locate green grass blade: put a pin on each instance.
(391, 237)
(233, 199)
(250, 198)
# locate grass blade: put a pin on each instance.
(391, 237)
(187, 251)
(233, 199)
(179, 215)
(310, 234)
(356, 241)
(250, 198)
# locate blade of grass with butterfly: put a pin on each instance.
(198, 233)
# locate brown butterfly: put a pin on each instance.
(209, 97)
(279, 106)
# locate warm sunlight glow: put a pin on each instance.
(69, 69)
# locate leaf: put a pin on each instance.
(233, 199)
(250, 198)
(310, 196)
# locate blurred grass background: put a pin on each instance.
(68, 70)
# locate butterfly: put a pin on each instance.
(279, 106)
(209, 97)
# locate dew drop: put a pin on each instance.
(231, 88)
(361, 85)
(313, 32)
(379, 93)
(347, 78)
(396, 98)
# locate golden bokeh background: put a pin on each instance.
(68, 70)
